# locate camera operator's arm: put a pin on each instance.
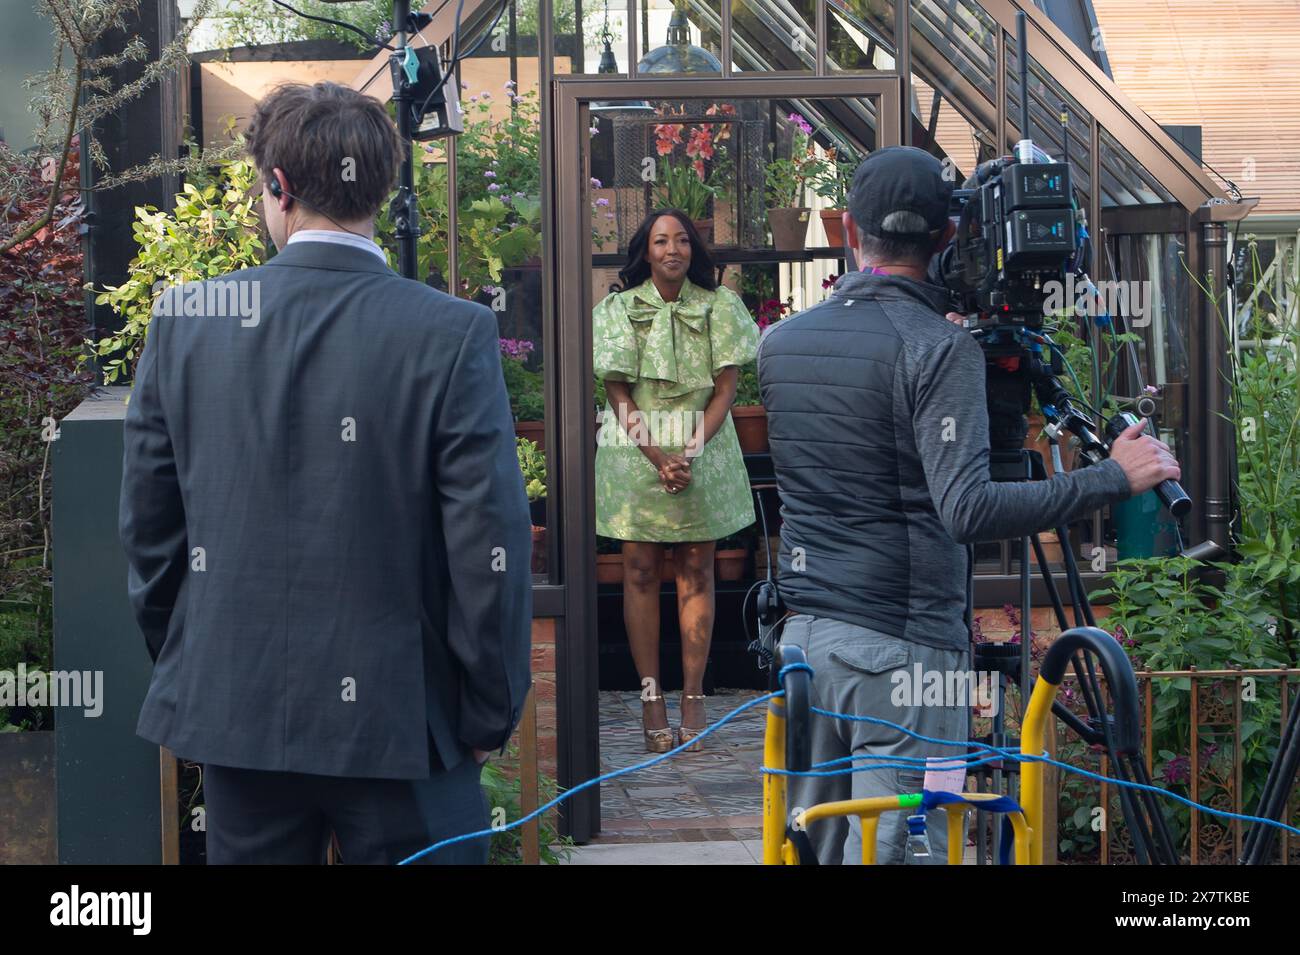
(951, 427)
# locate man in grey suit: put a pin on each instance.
(325, 522)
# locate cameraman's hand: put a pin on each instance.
(1146, 460)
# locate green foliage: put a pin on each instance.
(681, 187)
(532, 464)
(788, 177)
(43, 328)
(260, 22)
(503, 792)
(1077, 355)
(527, 402)
(498, 195)
(1266, 419)
(747, 392)
(836, 176)
(212, 230)
(1172, 619)
(1169, 616)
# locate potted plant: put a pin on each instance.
(609, 560)
(833, 185)
(786, 181)
(747, 412)
(532, 464)
(681, 187)
(524, 386)
(729, 557)
(692, 187)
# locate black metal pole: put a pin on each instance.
(1022, 51)
(404, 208)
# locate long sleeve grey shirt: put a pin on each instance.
(879, 435)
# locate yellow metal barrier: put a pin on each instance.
(786, 729)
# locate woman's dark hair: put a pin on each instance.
(701, 272)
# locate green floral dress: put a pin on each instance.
(670, 352)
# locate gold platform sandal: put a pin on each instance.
(657, 740)
(687, 733)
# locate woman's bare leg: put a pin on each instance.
(642, 565)
(695, 609)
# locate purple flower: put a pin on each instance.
(595, 183)
(473, 99)
(602, 201)
(464, 85)
(516, 348)
(510, 84)
(493, 187)
(1178, 770)
(486, 95)
(802, 123)
(593, 130)
(489, 174)
(520, 195)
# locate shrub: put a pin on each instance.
(42, 328)
(213, 229)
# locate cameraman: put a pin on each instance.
(879, 436)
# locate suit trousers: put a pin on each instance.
(265, 817)
(853, 672)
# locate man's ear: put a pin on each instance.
(945, 236)
(851, 238)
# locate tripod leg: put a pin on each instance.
(1272, 802)
(1163, 839)
(1049, 584)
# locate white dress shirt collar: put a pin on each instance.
(338, 238)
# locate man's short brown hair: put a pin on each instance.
(337, 148)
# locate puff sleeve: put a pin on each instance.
(733, 334)
(614, 346)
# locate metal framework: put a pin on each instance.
(970, 64)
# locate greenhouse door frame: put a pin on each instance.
(567, 305)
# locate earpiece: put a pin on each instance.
(277, 191)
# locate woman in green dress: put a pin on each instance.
(668, 341)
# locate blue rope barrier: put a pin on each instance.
(994, 754)
(1008, 753)
(614, 774)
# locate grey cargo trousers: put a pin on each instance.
(853, 671)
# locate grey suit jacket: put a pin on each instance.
(325, 523)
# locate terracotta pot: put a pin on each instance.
(730, 563)
(760, 556)
(539, 550)
(705, 228)
(1051, 548)
(789, 228)
(751, 428)
(834, 227)
(609, 568)
(534, 431)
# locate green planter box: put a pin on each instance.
(108, 804)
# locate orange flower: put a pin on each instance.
(701, 143)
(667, 135)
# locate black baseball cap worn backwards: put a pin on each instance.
(900, 179)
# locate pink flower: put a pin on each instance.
(700, 144)
(802, 123)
